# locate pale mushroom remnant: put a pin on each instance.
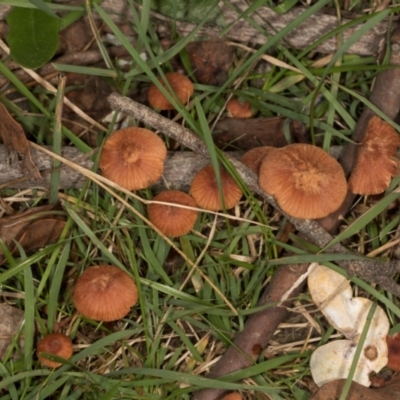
(332, 294)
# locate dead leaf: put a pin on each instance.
(90, 95)
(16, 144)
(32, 229)
(255, 132)
(76, 37)
(333, 390)
(11, 319)
(210, 60)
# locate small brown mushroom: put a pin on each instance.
(376, 163)
(254, 157)
(204, 189)
(172, 220)
(306, 181)
(133, 158)
(105, 293)
(56, 344)
(180, 84)
(237, 108)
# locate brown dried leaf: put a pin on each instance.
(89, 95)
(75, 37)
(16, 144)
(255, 132)
(10, 321)
(32, 229)
(333, 390)
(210, 60)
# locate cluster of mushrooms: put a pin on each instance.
(305, 181)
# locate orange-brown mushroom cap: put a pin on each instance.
(56, 344)
(375, 164)
(204, 189)
(306, 181)
(237, 108)
(133, 158)
(254, 157)
(105, 293)
(393, 343)
(171, 220)
(180, 84)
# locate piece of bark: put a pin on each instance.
(333, 391)
(254, 132)
(13, 178)
(305, 34)
(11, 319)
(287, 283)
(243, 31)
(385, 95)
(179, 170)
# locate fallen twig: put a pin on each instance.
(179, 170)
(286, 284)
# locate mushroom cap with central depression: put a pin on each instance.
(105, 293)
(180, 84)
(133, 158)
(173, 220)
(305, 181)
(56, 344)
(204, 189)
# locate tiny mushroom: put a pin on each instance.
(376, 163)
(306, 181)
(204, 189)
(56, 344)
(238, 108)
(105, 293)
(133, 158)
(173, 220)
(331, 292)
(180, 84)
(254, 157)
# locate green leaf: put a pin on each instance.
(33, 36)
